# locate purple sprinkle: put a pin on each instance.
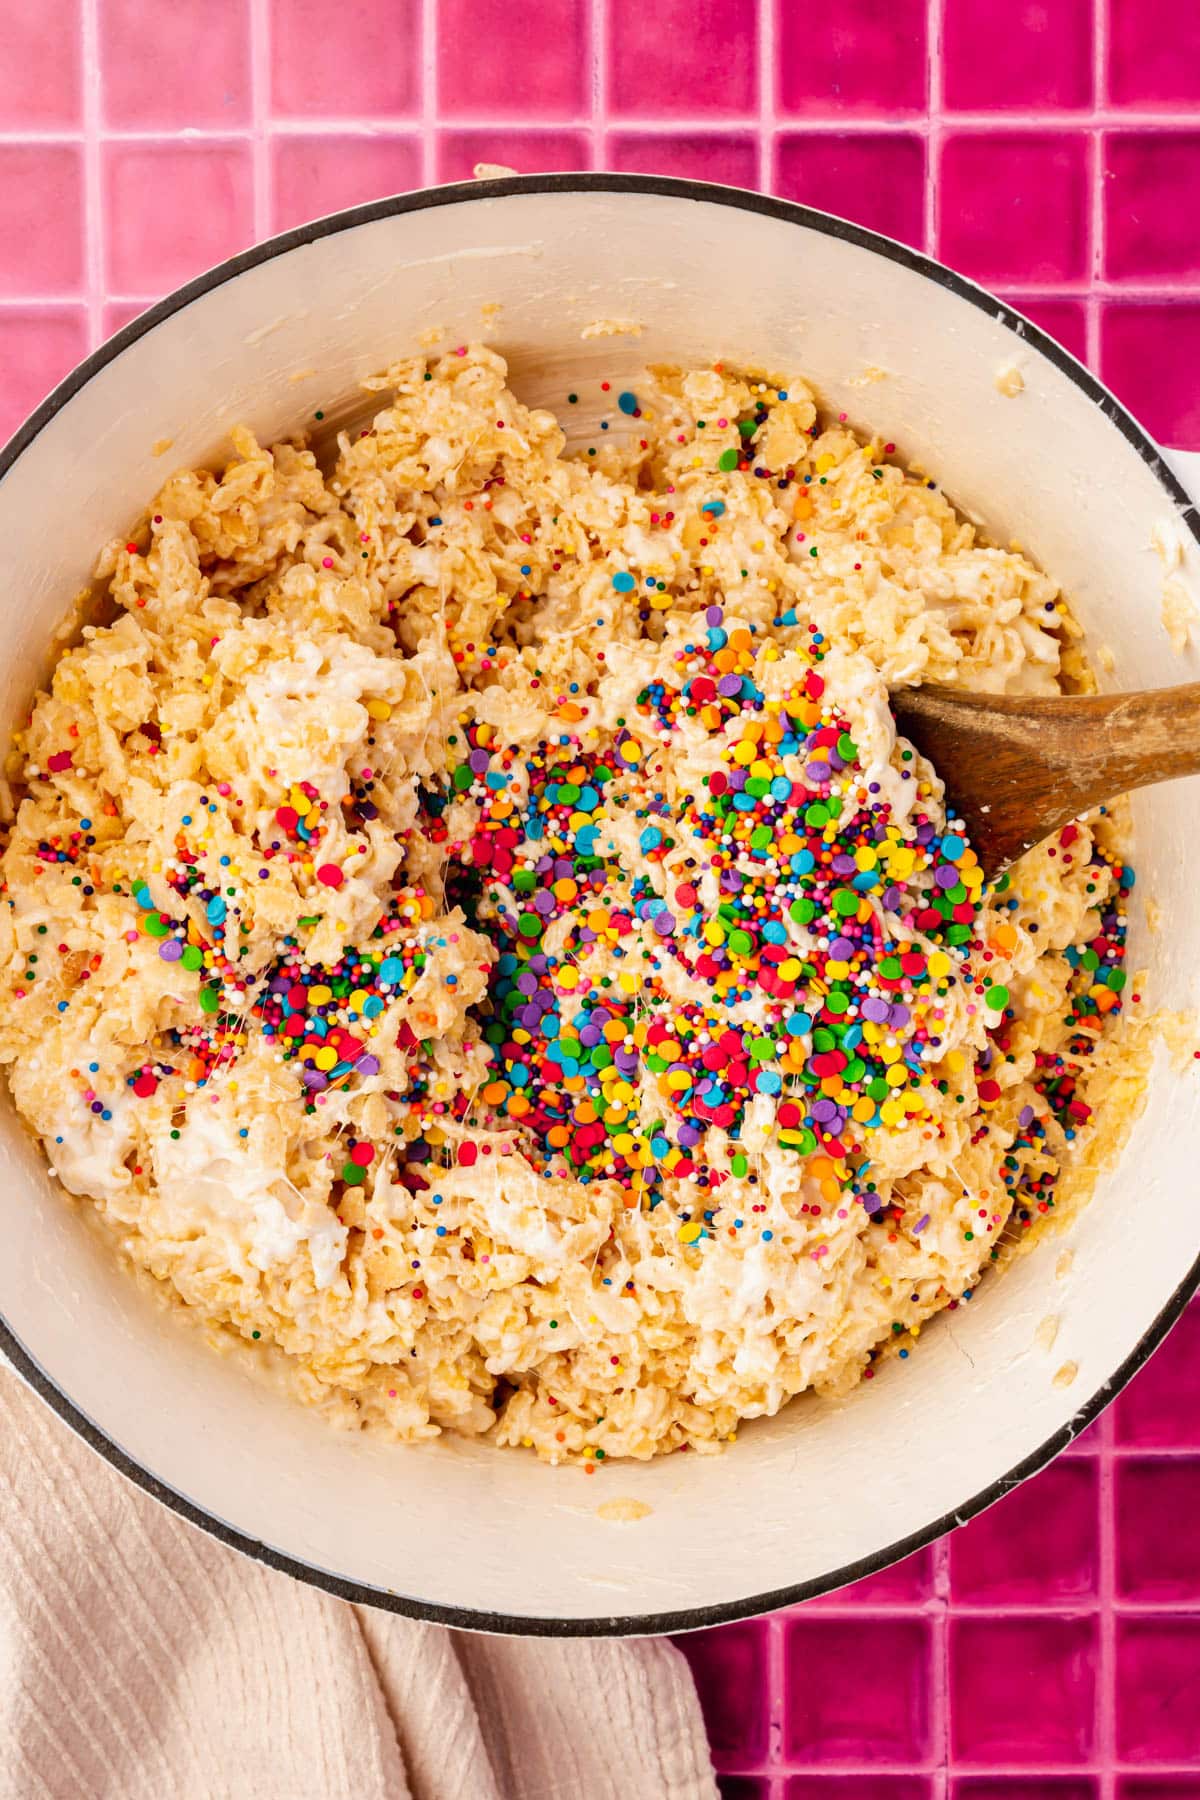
(368, 1065)
(713, 615)
(478, 761)
(664, 924)
(898, 1015)
(543, 902)
(875, 1010)
(844, 865)
(313, 1078)
(842, 949)
(1025, 1116)
(171, 951)
(920, 1225)
(893, 899)
(729, 686)
(946, 876)
(816, 772)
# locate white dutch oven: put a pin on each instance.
(825, 1492)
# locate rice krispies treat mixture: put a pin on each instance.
(471, 925)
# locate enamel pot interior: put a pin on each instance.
(545, 269)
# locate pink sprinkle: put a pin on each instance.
(327, 562)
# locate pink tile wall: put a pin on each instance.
(1051, 148)
(1051, 1650)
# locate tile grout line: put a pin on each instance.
(768, 50)
(1106, 1700)
(940, 1720)
(933, 133)
(260, 75)
(598, 120)
(775, 1690)
(93, 174)
(429, 70)
(1099, 81)
(729, 125)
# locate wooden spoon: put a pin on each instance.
(1016, 769)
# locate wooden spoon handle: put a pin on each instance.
(1017, 768)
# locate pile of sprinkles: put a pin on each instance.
(809, 1024)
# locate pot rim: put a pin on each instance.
(790, 213)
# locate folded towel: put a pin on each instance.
(141, 1659)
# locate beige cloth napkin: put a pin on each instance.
(142, 1660)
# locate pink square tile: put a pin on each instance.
(528, 152)
(857, 1787)
(175, 66)
(832, 1665)
(318, 175)
(504, 59)
(1034, 54)
(39, 64)
(1014, 207)
(1144, 352)
(1038, 1547)
(696, 156)
(1022, 1787)
(1159, 1787)
(118, 313)
(1154, 53)
(875, 178)
(1158, 1550)
(1158, 1667)
(1003, 1673)
(862, 56)
(1065, 320)
(37, 348)
(910, 1580)
(1151, 186)
(173, 210)
(364, 60)
(729, 1666)
(683, 56)
(41, 219)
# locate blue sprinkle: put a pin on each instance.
(627, 402)
(624, 582)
